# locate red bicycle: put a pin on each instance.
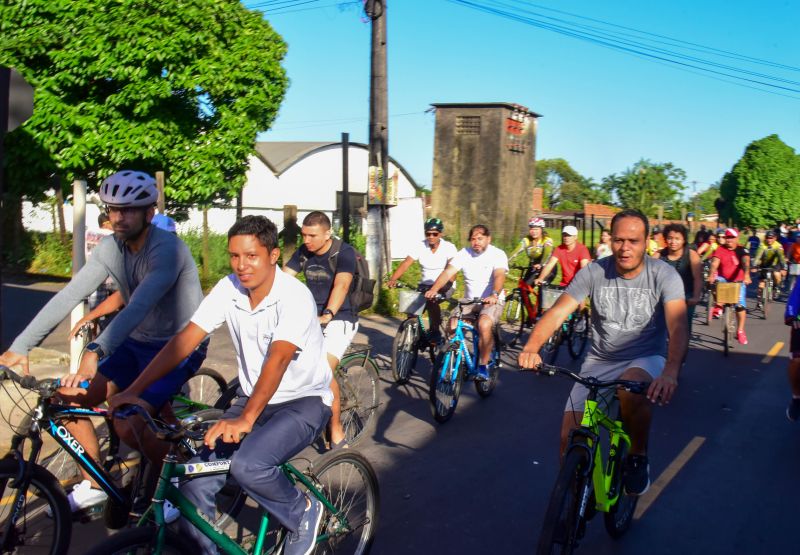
(521, 309)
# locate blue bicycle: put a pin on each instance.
(455, 363)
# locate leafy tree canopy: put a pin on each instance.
(181, 86)
(564, 188)
(704, 201)
(763, 187)
(648, 185)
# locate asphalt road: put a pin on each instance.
(480, 482)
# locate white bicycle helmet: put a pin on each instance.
(129, 188)
(536, 222)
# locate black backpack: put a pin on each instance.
(362, 289)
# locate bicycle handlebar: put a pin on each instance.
(46, 387)
(438, 298)
(590, 381)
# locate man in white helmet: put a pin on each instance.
(157, 278)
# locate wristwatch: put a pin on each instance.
(96, 349)
(328, 311)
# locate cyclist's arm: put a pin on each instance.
(663, 387)
(177, 349)
(544, 328)
(498, 280)
(547, 253)
(112, 304)
(759, 256)
(448, 274)
(401, 269)
(696, 266)
(547, 269)
(281, 353)
(746, 267)
(519, 249)
(342, 279)
(712, 270)
(584, 262)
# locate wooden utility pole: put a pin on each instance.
(160, 185)
(378, 140)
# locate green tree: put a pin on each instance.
(648, 185)
(704, 202)
(181, 86)
(564, 188)
(763, 187)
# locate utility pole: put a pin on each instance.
(378, 141)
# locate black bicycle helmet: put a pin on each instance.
(434, 223)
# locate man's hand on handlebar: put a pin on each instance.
(12, 359)
(391, 284)
(491, 299)
(430, 294)
(661, 389)
(529, 360)
(81, 323)
(229, 431)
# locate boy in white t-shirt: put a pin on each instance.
(285, 397)
(433, 254)
(484, 267)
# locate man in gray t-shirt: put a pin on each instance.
(637, 302)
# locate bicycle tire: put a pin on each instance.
(142, 540)
(578, 339)
(445, 386)
(34, 525)
(766, 298)
(710, 307)
(358, 386)
(348, 481)
(513, 321)
(563, 526)
(205, 388)
(726, 330)
(619, 517)
(405, 350)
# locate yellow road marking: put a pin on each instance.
(666, 477)
(776, 348)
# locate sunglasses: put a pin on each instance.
(431, 234)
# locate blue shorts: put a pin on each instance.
(742, 292)
(130, 359)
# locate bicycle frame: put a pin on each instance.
(461, 350)
(593, 419)
(166, 490)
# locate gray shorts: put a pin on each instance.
(492, 311)
(609, 370)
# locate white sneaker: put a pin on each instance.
(83, 496)
(171, 514)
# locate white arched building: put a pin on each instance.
(309, 176)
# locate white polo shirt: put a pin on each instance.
(288, 313)
(432, 263)
(478, 269)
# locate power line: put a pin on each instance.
(609, 40)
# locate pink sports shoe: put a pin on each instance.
(741, 337)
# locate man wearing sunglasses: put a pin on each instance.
(433, 254)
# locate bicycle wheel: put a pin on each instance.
(348, 481)
(549, 351)
(513, 320)
(142, 540)
(404, 350)
(710, 307)
(35, 531)
(563, 524)
(447, 377)
(578, 335)
(727, 339)
(618, 519)
(357, 377)
(200, 391)
(766, 297)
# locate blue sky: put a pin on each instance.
(603, 109)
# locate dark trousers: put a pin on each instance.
(281, 431)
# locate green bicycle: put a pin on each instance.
(343, 481)
(588, 481)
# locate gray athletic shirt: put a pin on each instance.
(160, 286)
(627, 314)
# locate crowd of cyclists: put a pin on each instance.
(641, 286)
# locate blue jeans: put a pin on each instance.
(281, 431)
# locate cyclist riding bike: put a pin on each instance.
(637, 302)
(433, 254)
(570, 254)
(770, 256)
(731, 263)
(157, 278)
(284, 398)
(538, 246)
(484, 267)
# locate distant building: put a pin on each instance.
(483, 167)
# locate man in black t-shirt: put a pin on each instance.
(329, 275)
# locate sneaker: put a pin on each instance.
(83, 496)
(758, 305)
(483, 373)
(793, 410)
(304, 540)
(717, 312)
(636, 474)
(741, 337)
